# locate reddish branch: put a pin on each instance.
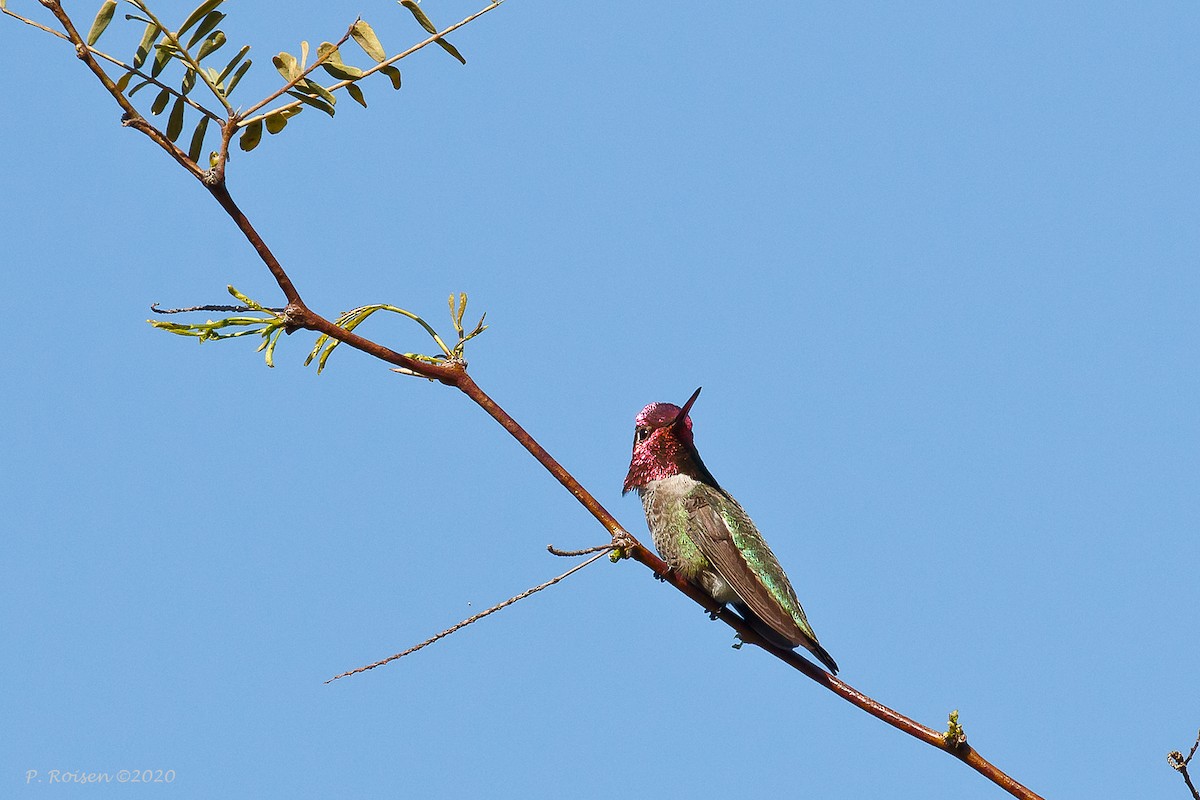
(300, 316)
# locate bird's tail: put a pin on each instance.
(822, 655)
(774, 637)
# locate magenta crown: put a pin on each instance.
(658, 415)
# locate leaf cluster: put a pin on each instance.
(271, 323)
(351, 319)
(193, 44)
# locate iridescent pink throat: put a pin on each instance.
(665, 452)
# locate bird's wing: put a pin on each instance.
(739, 554)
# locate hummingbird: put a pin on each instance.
(705, 535)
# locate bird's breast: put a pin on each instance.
(667, 517)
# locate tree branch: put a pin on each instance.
(119, 63)
(1179, 763)
(453, 373)
(132, 118)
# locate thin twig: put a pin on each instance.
(477, 617)
(38, 25)
(236, 309)
(1180, 764)
(554, 550)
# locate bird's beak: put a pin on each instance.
(683, 412)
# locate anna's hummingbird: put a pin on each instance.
(704, 534)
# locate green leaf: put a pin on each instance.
(251, 136)
(420, 15)
(428, 25)
(288, 113)
(327, 51)
(355, 92)
(148, 39)
(198, 14)
(139, 87)
(343, 72)
(175, 121)
(246, 301)
(237, 76)
(211, 45)
(270, 340)
(331, 62)
(315, 102)
(211, 21)
(229, 67)
(393, 73)
(368, 41)
(197, 145)
(287, 65)
(189, 80)
(162, 56)
(309, 86)
(103, 17)
(123, 81)
(160, 102)
(451, 49)
(276, 122)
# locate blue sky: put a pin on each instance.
(935, 266)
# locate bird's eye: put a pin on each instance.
(640, 435)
